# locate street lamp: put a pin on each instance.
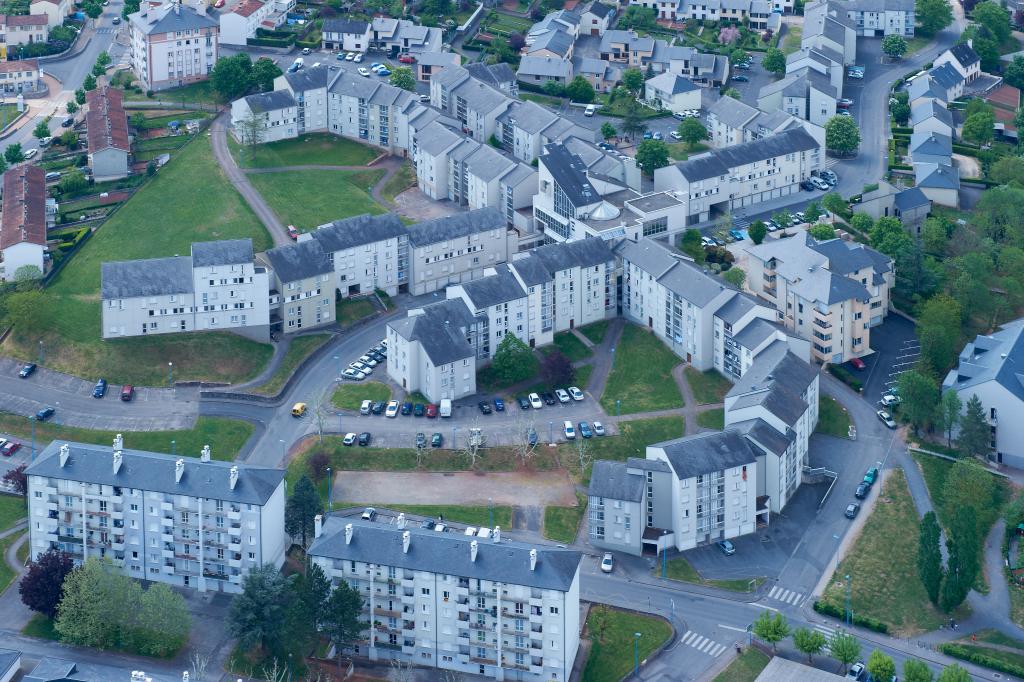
(328, 490)
(338, 358)
(170, 374)
(32, 419)
(42, 352)
(636, 652)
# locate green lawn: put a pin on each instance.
(12, 508)
(791, 41)
(882, 565)
(309, 198)
(488, 382)
(41, 627)
(582, 377)
(833, 419)
(351, 396)
(680, 569)
(196, 93)
(633, 439)
(7, 574)
(595, 331)
(224, 436)
(611, 633)
(642, 375)
(562, 523)
(681, 151)
(571, 347)
(301, 347)
(986, 656)
(314, 149)
(350, 310)
(545, 100)
(471, 516)
(189, 200)
(399, 182)
(745, 668)
(915, 44)
(712, 419)
(709, 388)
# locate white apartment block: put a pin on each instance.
(489, 607)
(239, 22)
(882, 17)
(172, 44)
(346, 35)
(218, 287)
(432, 351)
(22, 29)
(277, 110)
(187, 522)
(456, 248)
(302, 287)
(20, 76)
(55, 11)
(368, 252)
(830, 293)
(732, 123)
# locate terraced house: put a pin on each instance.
(106, 127)
(24, 221)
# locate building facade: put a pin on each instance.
(23, 221)
(107, 132)
(172, 44)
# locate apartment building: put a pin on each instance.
(106, 128)
(278, 111)
(455, 249)
(172, 44)
(218, 287)
(22, 29)
(988, 368)
(537, 70)
(742, 175)
(882, 17)
(370, 111)
(732, 122)
(744, 329)
(433, 350)
(346, 35)
(309, 88)
(187, 522)
(241, 21)
(491, 607)
(943, 83)
(430, 64)
(830, 293)
(301, 295)
(20, 76)
(23, 221)
(55, 11)
(805, 94)
(827, 26)
(368, 252)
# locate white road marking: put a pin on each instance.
(730, 627)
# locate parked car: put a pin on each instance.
(648, 135)
(418, 410)
(392, 409)
(365, 406)
(740, 78)
(886, 419)
(857, 363)
(383, 73)
(862, 491)
(100, 389)
(727, 547)
(377, 407)
(851, 510)
(675, 136)
(45, 413)
(499, 405)
(358, 58)
(293, 233)
(407, 59)
(607, 563)
(349, 439)
(585, 430)
(364, 72)
(9, 448)
(576, 393)
(890, 400)
(362, 367)
(406, 409)
(485, 407)
(364, 438)
(598, 429)
(531, 436)
(590, 110)
(535, 401)
(305, 50)
(524, 404)
(569, 430)
(856, 671)
(819, 184)
(369, 514)
(844, 112)
(658, 136)
(421, 440)
(844, 103)
(298, 409)
(563, 396)
(548, 397)
(127, 393)
(353, 374)
(67, 122)
(431, 411)
(870, 476)
(52, 176)
(27, 370)
(367, 360)
(436, 440)
(807, 186)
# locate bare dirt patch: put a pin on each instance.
(513, 488)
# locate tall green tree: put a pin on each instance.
(933, 15)
(633, 80)
(954, 673)
(758, 231)
(259, 615)
(969, 484)
(513, 360)
(975, 434)
(264, 71)
(978, 128)
(652, 155)
(42, 130)
(949, 414)
(341, 622)
(401, 77)
(880, 666)
(929, 556)
(690, 244)
(834, 203)
(822, 232)
(692, 131)
(771, 629)
(920, 398)
(95, 601)
(608, 131)
(994, 18)
(300, 510)
(938, 329)
(842, 134)
(812, 212)
(894, 45)
(13, 153)
(844, 648)
(916, 671)
(29, 312)
(232, 76)
(962, 565)
(163, 621)
(774, 61)
(735, 276)
(810, 642)
(579, 89)
(89, 83)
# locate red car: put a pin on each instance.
(431, 411)
(293, 233)
(407, 59)
(9, 448)
(857, 363)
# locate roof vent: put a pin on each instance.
(348, 533)
(406, 537)
(233, 477)
(65, 451)
(473, 548)
(204, 456)
(179, 469)
(533, 560)
(117, 460)
(1002, 355)
(318, 525)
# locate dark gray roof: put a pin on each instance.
(299, 261)
(345, 26)
(845, 257)
(765, 436)
(441, 330)
(964, 54)
(946, 76)
(672, 270)
(610, 480)
(922, 111)
(842, 288)
(556, 41)
(495, 75)
(164, 19)
(600, 10)
(733, 310)
(151, 277)
(777, 380)
(155, 472)
(8, 659)
(358, 230)
(552, 67)
(786, 142)
(995, 357)
(910, 198)
(270, 101)
(223, 252)
(455, 226)
(309, 78)
(585, 253)
(702, 167)
(569, 173)
(495, 289)
(706, 453)
(936, 175)
(926, 86)
(447, 553)
(648, 464)
(755, 333)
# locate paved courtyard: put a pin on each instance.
(514, 489)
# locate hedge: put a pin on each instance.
(900, 130)
(973, 655)
(269, 42)
(863, 621)
(900, 166)
(847, 378)
(311, 44)
(966, 151)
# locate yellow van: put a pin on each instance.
(299, 409)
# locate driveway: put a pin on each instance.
(538, 489)
(896, 350)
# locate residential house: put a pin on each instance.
(540, 70)
(368, 252)
(931, 116)
(940, 182)
(599, 73)
(807, 95)
(626, 47)
(430, 350)
(301, 295)
(435, 589)
(964, 59)
(23, 221)
(930, 148)
(553, 36)
(596, 19)
(172, 44)
(55, 11)
(106, 127)
(910, 206)
(942, 82)
(189, 522)
(239, 22)
(277, 110)
(22, 76)
(402, 36)
(346, 35)
(432, 63)
(22, 29)
(672, 92)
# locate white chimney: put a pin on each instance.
(185, 677)
(405, 542)
(233, 477)
(472, 550)
(533, 559)
(117, 460)
(177, 7)
(65, 450)
(318, 525)
(119, 442)
(348, 533)
(204, 456)
(179, 469)
(401, 520)
(497, 534)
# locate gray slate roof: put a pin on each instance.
(766, 436)
(776, 381)
(922, 111)
(995, 357)
(910, 198)
(169, 21)
(150, 277)
(964, 54)
(363, 229)
(539, 265)
(936, 176)
(569, 173)
(672, 270)
(270, 101)
(223, 252)
(611, 481)
(309, 78)
(706, 453)
(495, 289)
(447, 553)
(755, 333)
(440, 329)
(946, 76)
(8, 659)
(550, 67)
(845, 257)
(155, 472)
(455, 226)
(299, 261)
(733, 310)
(345, 26)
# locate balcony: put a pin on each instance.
(167, 521)
(485, 661)
(770, 291)
(235, 515)
(387, 613)
(166, 506)
(481, 626)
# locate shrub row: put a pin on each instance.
(900, 130)
(844, 375)
(270, 42)
(863, 621)
(974, 655)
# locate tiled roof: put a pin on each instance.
(24, 207)
(105, 121)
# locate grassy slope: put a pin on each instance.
(833, 419)
(712, 419)
(315, 149)
(595, 331)
(350, 396)
(745, 668)
(680, 569)
(642, 375)
(310, 198)
(562, 523)
(611, 634)
(301, 347)
(12, 508)
(709, 387)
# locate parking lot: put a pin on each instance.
(896, 351)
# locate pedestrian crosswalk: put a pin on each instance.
(703, 644)
(829, 163)
(827, 631)
(786, 596)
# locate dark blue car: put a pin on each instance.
(101, 389)
(45, 413)
(499, 404)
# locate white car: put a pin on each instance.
(350, 56)
(569, 430)
(365, 369)
(353, 374)
(367, 360)
(819, 183)
(363, 72)
(886, 419)
(392, 409)
(349, 439)
(365, 407)
(675, 136)
(598, 429)
(607, 562)
(576, 393)
(563, 397)
(358, 58)
(889, 400)
(535, 401)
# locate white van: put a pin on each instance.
(445, 408)
(590, 110)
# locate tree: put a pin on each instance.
(264, 71)
(735, 276)
(632, 124)
(782, 218)
(812, 211)
(401, 77)
(251, 130)
(73, 181)
(834, 203)
(933, 15)
(938, 329)
(516, 42)
(929, 556)
(734, 93)
(638, 17)
(916, 671)
(580, 90)
(258, 615)
(92, 9)
(727, 35)
(95, 606)
(608, 131)
(738, 55)
(894, 45)
(80, 96)
(880, 666)
(232, 76)
(954, 673)
(513, 360)
(301, 508)
(842, 135)
(41, 587)
(1014, 72)
(844, 648)
(556, 369)
(900, 109)
(690, 244)
(978, 128)
(920, 398)
(89, 83)
(949, 414)
(29, 312)
(810, 642)
(774, 61)
(341, 622)
(771, 629)
(822, 232)
(633, 80)
(693, 132)
(994, 18)
(42, 130)
(652, 155)
(316, 591)
(163, 620)
(16, 479)
(757, 231)
(98, 70)
(975, 433)
(13, 153)
(554, 88)
(1008, 169)
(71, 107)
(962, 565)
(27, 274)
